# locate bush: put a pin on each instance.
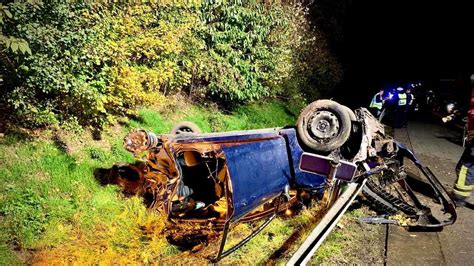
(93, 62)
(29, 215)
(246, 50)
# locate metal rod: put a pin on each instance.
(222, 254)
(332, 184)
(248, 238)
(325, 226)
(221, 247)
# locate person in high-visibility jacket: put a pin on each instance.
(376, 104)
(464, 184)
(410, 98)
(465, 176)
(401, 108)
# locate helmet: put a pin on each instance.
(399, 89)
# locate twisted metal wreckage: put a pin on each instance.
(213, 180)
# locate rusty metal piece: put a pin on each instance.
(332, 185)
(140, 140)
(136, 141)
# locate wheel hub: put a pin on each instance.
(323, 126)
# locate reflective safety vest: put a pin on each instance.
(412, 98)
(402, 99)
(465, 171)
(375, 104)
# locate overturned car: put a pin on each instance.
(214, 180)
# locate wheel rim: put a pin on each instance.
(323, 126)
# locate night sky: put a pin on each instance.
(396, 41)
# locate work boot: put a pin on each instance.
(460, 201)
(464, 204)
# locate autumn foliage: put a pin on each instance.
(85, 64)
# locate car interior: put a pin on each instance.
(200, 193)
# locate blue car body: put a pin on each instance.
(262, 164)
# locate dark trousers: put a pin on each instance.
(375, 111)
(465, 175)
(401, 115)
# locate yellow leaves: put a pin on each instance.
(148, 53)
(402, 219)
(174, 3)
(139, 85)
(139, 35)
(158, 43)
(155, 78)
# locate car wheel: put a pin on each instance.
(324, 125)
(350, 113)
(185, 127)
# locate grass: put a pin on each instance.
(262, 246)
(53, 211)
(352, 242)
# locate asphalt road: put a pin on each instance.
(438, 147)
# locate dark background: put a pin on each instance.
(390, 42)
